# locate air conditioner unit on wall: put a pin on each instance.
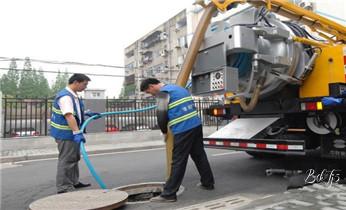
(163, 53)
(163, 36)
(180, 60)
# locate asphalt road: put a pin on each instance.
(236, 173)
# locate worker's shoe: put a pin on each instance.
(63, 191)
(205, 187)
(160, 199)
(81, 185)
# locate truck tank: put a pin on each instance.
(248, 48)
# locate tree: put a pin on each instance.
(9, 81)
(27, 81)
(42, 86)
(122, 93)
(60, 82)
(30, 83)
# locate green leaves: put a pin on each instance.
(9, 81)
(29, 82)
(60, 82)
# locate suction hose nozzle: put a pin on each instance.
(254, 98)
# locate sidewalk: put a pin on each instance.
(19, 149)
(317, 196)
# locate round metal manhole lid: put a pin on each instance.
(82, 200)
(143, 192)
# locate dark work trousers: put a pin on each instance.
(188, 143)
(67, 172)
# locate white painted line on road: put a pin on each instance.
(266, 196)
(124, 152)
(226, 153)
(92, 155)
(8, 165)
(37, 160)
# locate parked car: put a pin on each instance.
(130, 123)
(21, 132)
(111, 129)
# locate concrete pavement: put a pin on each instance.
(31, 148)
(241, 181)
(317, 196)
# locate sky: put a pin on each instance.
(81, 31)
(89, 31)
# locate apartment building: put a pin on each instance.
(159, 53)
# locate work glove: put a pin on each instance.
(91, 114)
(78, 138)
(331, 101)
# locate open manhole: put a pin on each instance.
(143, 192)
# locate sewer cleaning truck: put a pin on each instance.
(281, 70)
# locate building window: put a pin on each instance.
(147, 57)
(129, 79)
(129, 68)
(153, 71)
(152, 39)
(182, 42)
(180, 60)
(180, 23)
(130, 53)
(96, 95)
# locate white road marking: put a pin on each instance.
(124, 152)
(8, 165)
(92, 155)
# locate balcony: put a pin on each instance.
(180, 24)
(129, 80)
(130, 53)
(153, 38)
(147, 57)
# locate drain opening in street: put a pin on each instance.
(143, 196)
(143, 192)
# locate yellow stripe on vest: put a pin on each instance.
(59, 112)
(58, 126)
(182, 118)
(180, 101)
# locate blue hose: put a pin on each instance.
(82, 147)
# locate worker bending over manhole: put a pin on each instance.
(181, 116)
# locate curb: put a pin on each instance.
(55, 155)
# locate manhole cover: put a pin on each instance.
(142, 192)
(82, 200)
